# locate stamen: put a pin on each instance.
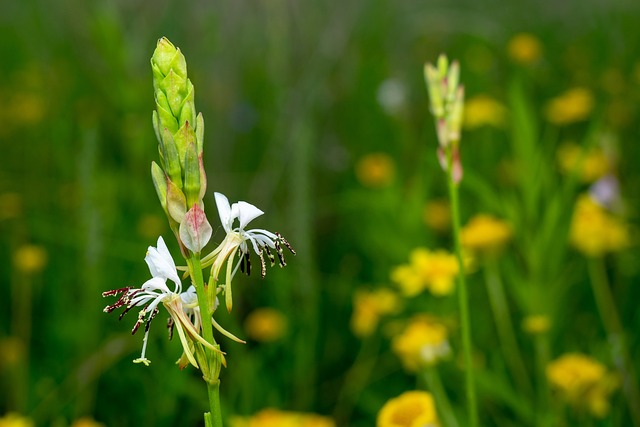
(116, 291)
(126, 310)
(263, 266)
(284, 242)
(151, 316)
(170, 325)
(141, 317)
(270, 255)
(280, 254)
(247, 260)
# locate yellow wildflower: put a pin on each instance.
(277, 418)
(265, 325)
(435, 271)
(15, 420)
(437, 215)
(591, 164)
(423, 342)
(484, 233)
(86, 422)
(408, 279)
(572, 106)
(30, 258)
(582, 382)
(594, 231)
(536, 324)
(369, 307)
(438, 269)
(483, 110)
(410, 409)
(524, 48)
(375, 170)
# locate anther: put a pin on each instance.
(170, 324)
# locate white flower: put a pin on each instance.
(155, 291)
(240, 239)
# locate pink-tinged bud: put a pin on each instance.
(195, 230)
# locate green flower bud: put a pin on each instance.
(192, 175)
(160, 183)
(176, 202)
(180, 133)
(171, 158)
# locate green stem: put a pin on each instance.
(213, 384)
(434, 382)
(543, 356)
(615, 334)
(356, 379)
(463, 302)
(215, 416)
(504, 325)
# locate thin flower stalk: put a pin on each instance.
(615, 333)
(447, 100)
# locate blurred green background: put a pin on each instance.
(294, 95)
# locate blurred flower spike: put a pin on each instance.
(149, 296)
(180, 180)
(239, 239)
(410, 409)
(447, 102)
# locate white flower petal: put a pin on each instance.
(161, 264)
(247, 213)
(190, 296)
(155, 284)
(224, 210)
